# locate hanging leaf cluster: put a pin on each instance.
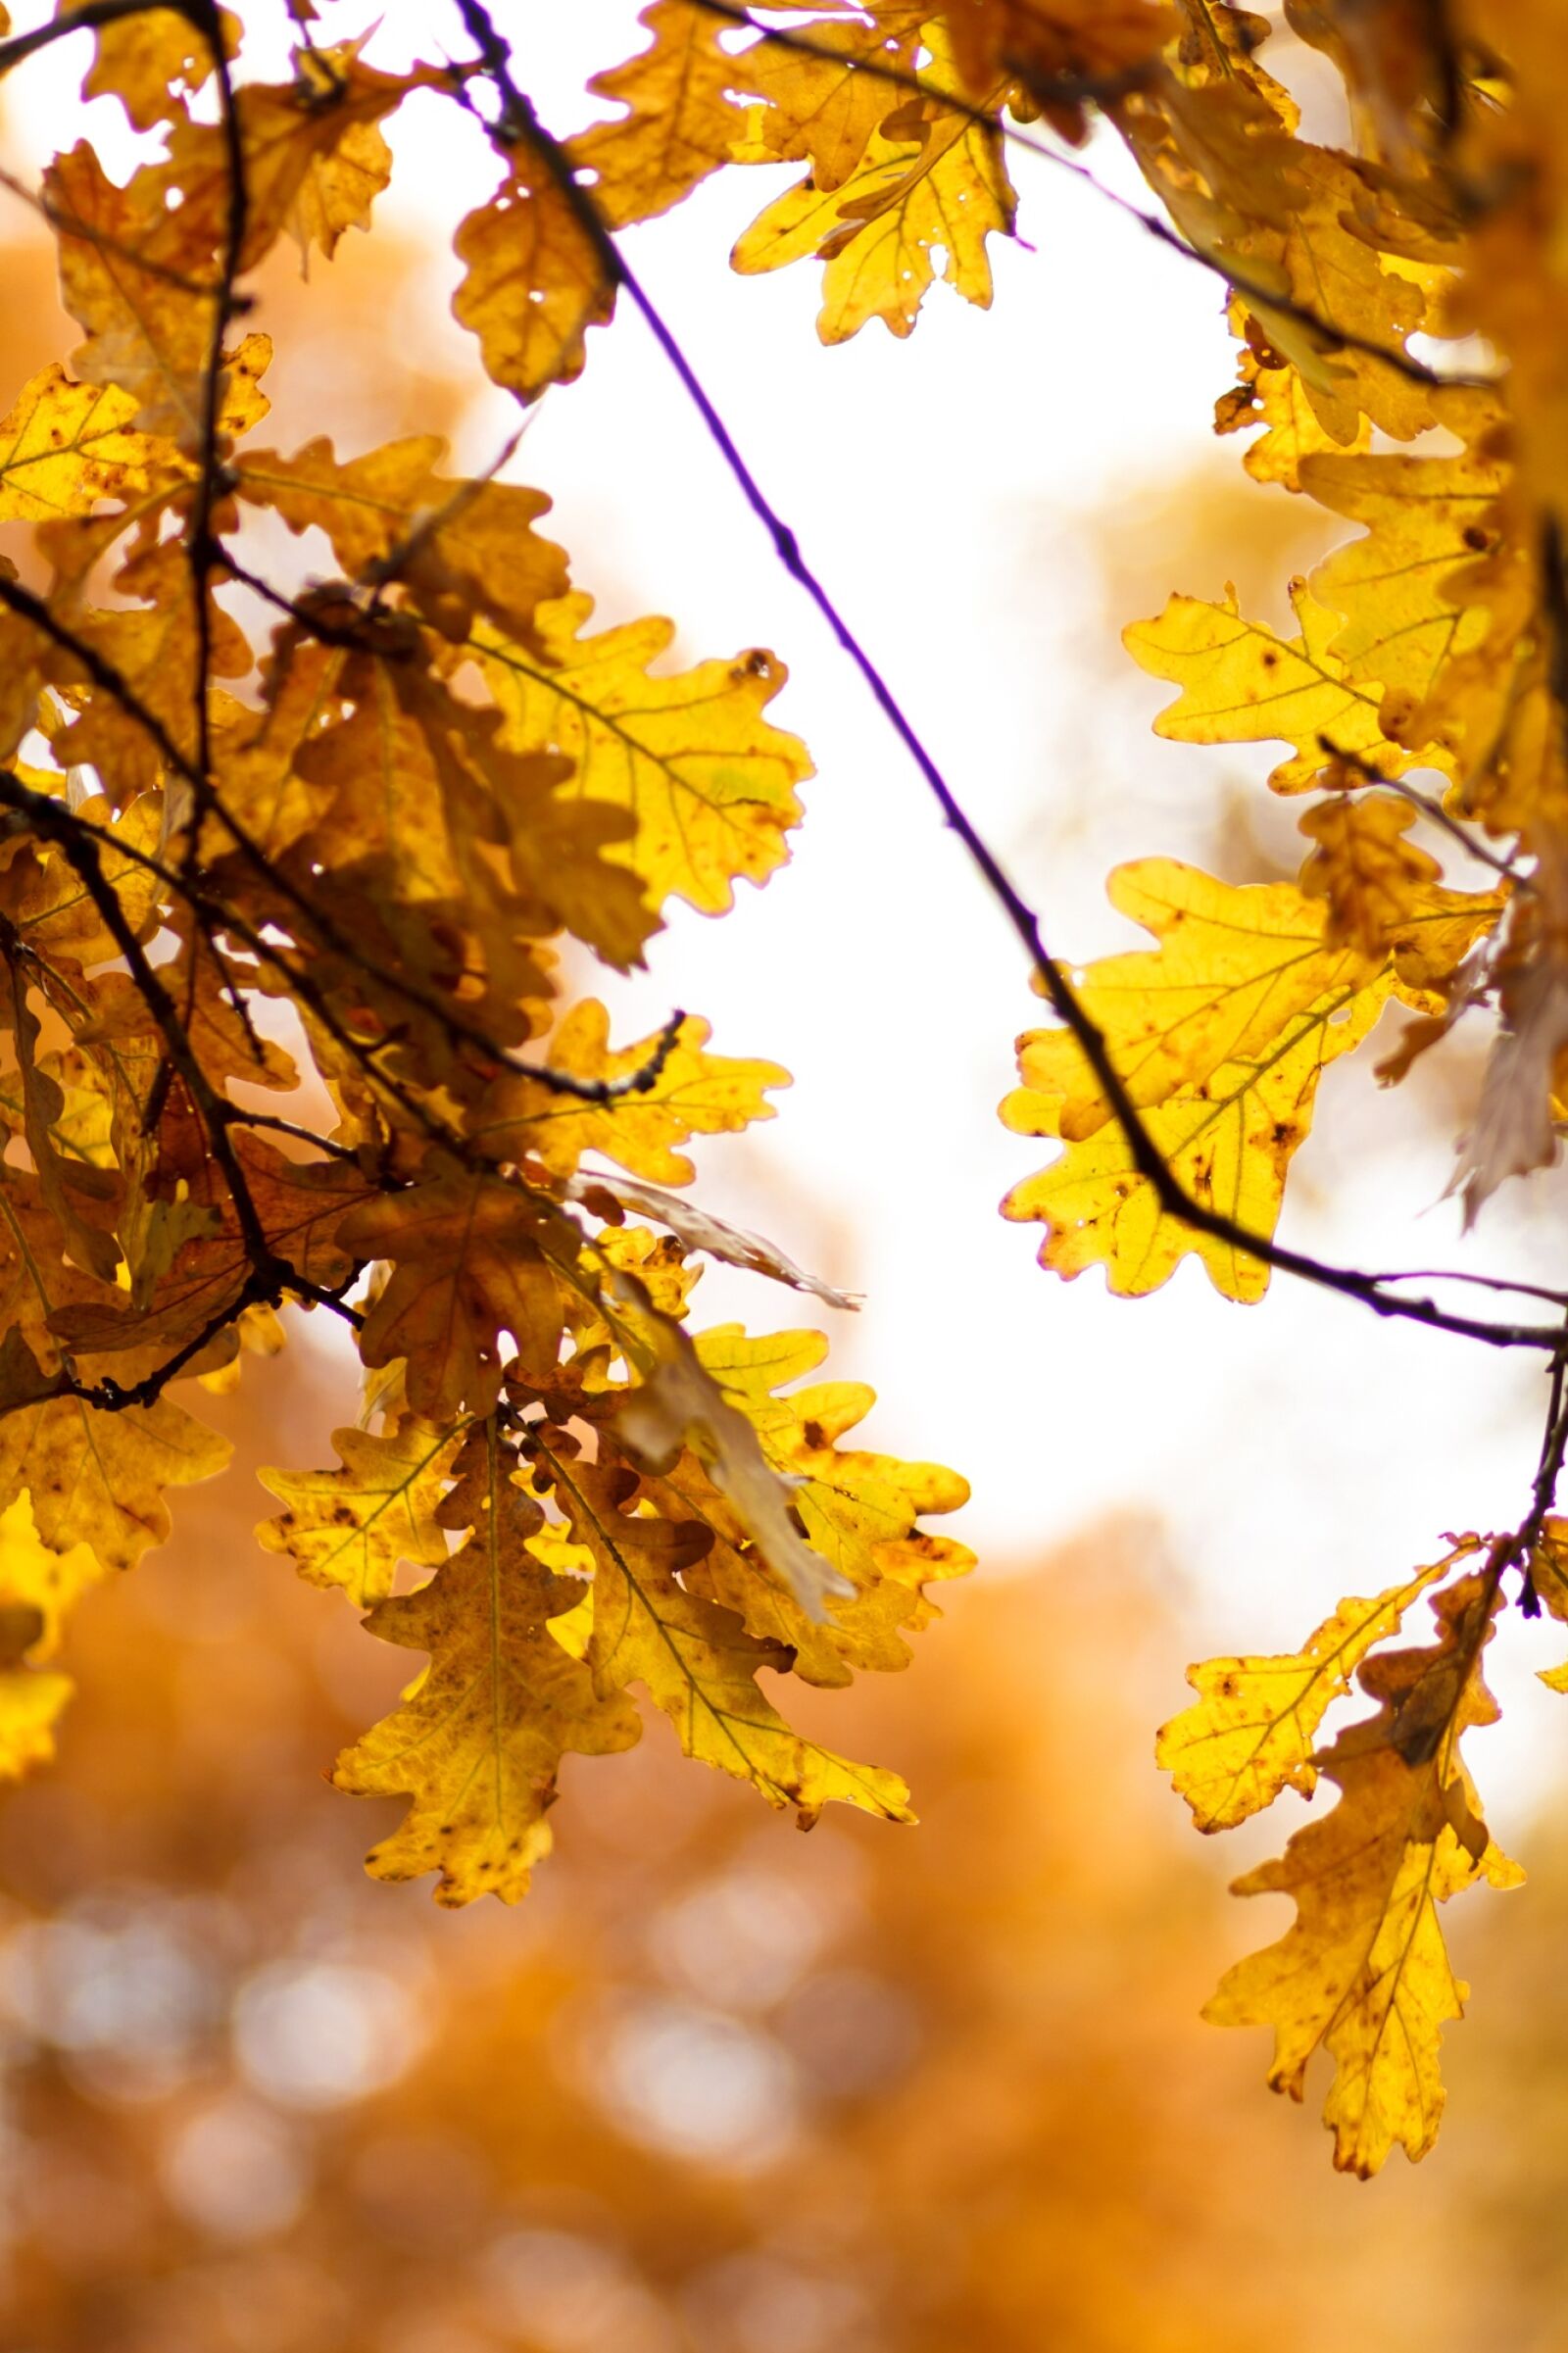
(286, 915)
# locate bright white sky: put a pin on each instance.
(958, 493)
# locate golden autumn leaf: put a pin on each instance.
(931, 182)
(1363, 1973)
(1242, 684)
(1221, 1036)
(99, 1480)
(677, 1404)
(860, 1511)
(315, 156)
(350, 1528)
(1362, 866)
(697, 1662)
(709, 782)
(534, 282)
(679, 120)
(118, 249)
(476, 1744)
(65, 445)
(1253, 1730)
(463, 548)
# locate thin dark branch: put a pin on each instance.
(518, 120)
(53, 823)
(201, 548)
(86, 19)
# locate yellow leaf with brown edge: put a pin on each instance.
(696, 1661)
(1253, 1730)
(693, 1094)
(1363, 1973)
(1243, 684)
(708, 780)
(477, 1743)
(533, 281)
(63, 446)
(353, 1527)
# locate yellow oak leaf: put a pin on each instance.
(461, 548)
(819, 107)
(477, 1743)
(1325, 268)
(696, 1661)
(708, 780)
(931, 181)
(66, 446)
(1041, 41)
(1401, 587)
(1221, 1036)
(352, 1526)
(1242, 684)
(1233, 963)
(1253, 1730)
(1363, 1973)
(123, 254)
(860, 1511)
(534, 282)
(1374, 884)
(315, 156)
(1276, 398)
(150, 61)
(98, 1479)
(694, 1094)
(680, 120)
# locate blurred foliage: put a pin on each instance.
(717, 2089)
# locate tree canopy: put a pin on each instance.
(292, 915)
